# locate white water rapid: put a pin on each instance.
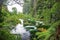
(19, 29)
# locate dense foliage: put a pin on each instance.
(47, 11)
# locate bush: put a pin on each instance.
(5, 35)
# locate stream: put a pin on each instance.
(19, 29)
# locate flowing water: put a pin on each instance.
(19, 29)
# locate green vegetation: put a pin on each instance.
(47, 11)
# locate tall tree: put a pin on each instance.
(1, 14)
(34, 7)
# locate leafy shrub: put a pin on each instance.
(5, 35)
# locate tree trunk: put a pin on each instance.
(34, 7)
(58, 33)
(1, 19)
